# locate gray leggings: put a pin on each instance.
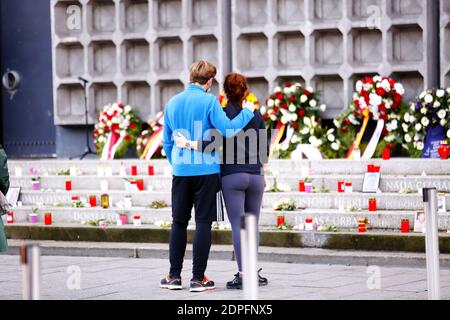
(243, 194)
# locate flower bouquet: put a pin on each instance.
(117, 129)
(294, 112)
(428, 117)
(376, 98)
(285, 205)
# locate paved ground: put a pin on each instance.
(119, 278)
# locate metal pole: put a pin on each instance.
(252, 274)
(31, 268)
(249, 257)
(432, 243)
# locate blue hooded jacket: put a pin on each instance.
(194, 114)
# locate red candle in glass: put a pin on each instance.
(386, 154)
(10, 218)
(405, 226)
(341, 186)
(444, 150)
(68, 185)
(301, 186)
(372, 205)
(151, 170)
(48, 219)
(140, 184)
(93, 201)
(134, 170)
(280, 220)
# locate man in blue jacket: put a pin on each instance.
(196, 180)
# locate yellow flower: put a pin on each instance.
(251, 97)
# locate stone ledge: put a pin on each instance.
(371, 241)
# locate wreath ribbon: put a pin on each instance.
(360, 135)
(154, 141)
(113, 142)
(276, 137)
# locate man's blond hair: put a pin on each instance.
(201, 71)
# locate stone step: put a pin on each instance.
(332, 200)
(344, 220)
(371, 241)
(226, 253)
(396, 166)
(388, 183)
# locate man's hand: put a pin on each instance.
(248, 105)
(180, 141)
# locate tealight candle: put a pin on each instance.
(74, 199)
(309, 225)
(348, 187)
(10, 218)
(137, 221)
(341, 186)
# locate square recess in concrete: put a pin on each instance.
(134, 16)
(69, 60)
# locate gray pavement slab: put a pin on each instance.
(138, 279)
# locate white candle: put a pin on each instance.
(104, 185)
(127, 202)
(18, 171)
(123, 171)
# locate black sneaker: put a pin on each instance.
(261, 280)
(236, 283)
(171, 283)
(203, 285)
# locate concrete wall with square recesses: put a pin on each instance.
(330, 44)
(139, 51)
(445, 42)
(135, 51)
